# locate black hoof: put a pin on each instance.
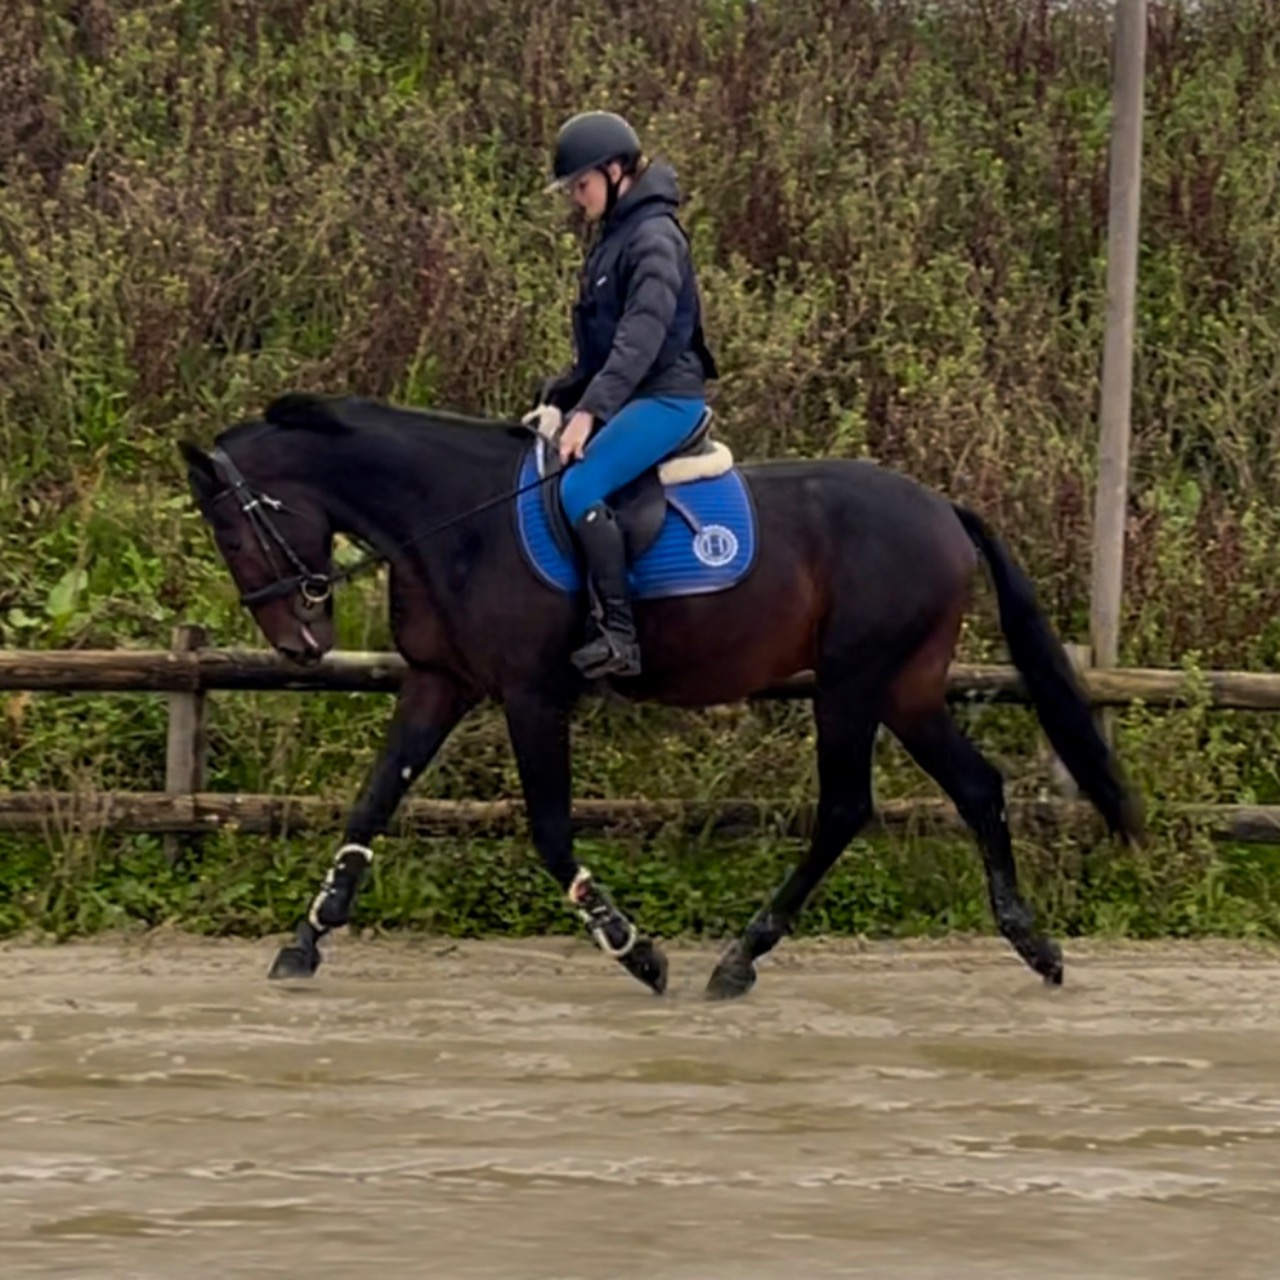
(1050, 968)
(646, 962)
(295, 962)
(1044, 957)
(734, 976)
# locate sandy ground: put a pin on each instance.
(524, 1109)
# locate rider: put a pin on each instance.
(641, 363)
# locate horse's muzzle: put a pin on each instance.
(306, 653)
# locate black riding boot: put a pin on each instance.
(611, 648)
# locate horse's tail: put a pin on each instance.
(1055, 692)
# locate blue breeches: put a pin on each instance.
(639, 435)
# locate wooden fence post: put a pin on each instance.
(186, 748)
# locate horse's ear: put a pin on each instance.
(202, 475)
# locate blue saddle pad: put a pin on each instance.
(707, 542)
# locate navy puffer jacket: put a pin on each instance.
(637, 324)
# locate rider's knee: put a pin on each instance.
(577, 493)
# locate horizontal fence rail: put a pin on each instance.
(158, 812)
(191, 669)
(209, 669)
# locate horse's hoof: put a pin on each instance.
(734, 976)
(1052, 973)
(1045, 958)
(295, 962)
(646, 962)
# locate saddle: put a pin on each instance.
(640, 507)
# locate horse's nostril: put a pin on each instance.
(303, 656)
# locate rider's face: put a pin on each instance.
(590, 191)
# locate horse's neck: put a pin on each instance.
(387, 489)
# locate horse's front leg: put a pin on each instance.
(428, 707)
(539, 727)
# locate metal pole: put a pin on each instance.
(1128, 63)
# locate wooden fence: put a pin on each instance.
(190, 670)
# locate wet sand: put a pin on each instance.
(526, 1110)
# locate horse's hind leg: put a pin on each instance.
(846, 741)
(939, 746)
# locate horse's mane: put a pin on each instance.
(303, 411)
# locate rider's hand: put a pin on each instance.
(573, 439)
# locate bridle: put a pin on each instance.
(315, 589)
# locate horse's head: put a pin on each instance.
(278, 547)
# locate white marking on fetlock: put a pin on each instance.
(313, 915)
(578, 888)
(602, 938)
(577, 891)
(358, 848)
(617, 953)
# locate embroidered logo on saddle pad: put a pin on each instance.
(705, 539)
(715, 546)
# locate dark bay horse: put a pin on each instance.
(859, 574)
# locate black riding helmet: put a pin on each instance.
(590, 141)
